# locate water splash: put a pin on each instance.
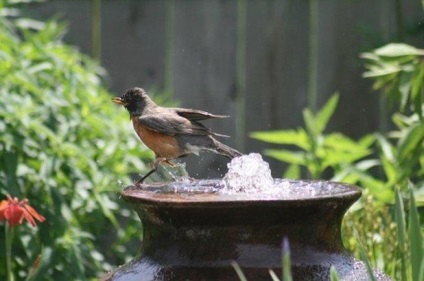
(248, 178)
(248, 174)
(175, 173)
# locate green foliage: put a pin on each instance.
(398, 69)
(370, 227)
(387, 237)
(416, 252)
(381, 163)
(318, 151)
(65, 147)
(333, 274)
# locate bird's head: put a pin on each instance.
(134, 100)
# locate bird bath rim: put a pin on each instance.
(171, 193)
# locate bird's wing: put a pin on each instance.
(196, 115)
(173, 125)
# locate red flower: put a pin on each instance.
(14, 211)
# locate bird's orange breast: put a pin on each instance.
(161, 144)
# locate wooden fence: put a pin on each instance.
(261, 62)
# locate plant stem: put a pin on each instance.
(241, 73)
(8, 238)
(399, 20)
(169, 47)
(96, 32)
(313, 55)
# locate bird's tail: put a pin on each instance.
(226, 150)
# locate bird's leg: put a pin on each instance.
(156, 164)
(146, 176)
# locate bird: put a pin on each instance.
(171, 133)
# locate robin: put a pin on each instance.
(171, 132)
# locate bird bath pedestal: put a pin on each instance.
(192, 232)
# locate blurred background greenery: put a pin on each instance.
(272, 65)
(63, 146)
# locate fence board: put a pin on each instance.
(203, 57)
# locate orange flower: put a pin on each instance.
(14, 212)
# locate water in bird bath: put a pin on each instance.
(248, 174)
(248, 178)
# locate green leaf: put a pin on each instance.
(292, 172)
(421, 274)
(408, 143)
(340, 142)
(333, 274)
(364, 257)
(309, 120)
(325, 113)
(386, 147)
(400, 230)
(376, 187)
(289, 137)
(367, 264)
(286, 261)
(415, 238)
(390, 171)
(367, 140)
(375, 72)
(41, 265)
(398, 50)
(404, 89)
(417, 82)
(287, 156)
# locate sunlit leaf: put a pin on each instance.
(290, 137)
(397, 50)
(379, 72)
(413, 137)
(292, 172)
(325, 113)
(386, 147)
(287, 156)
(310, 123)
(415, 238)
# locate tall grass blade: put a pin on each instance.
(286, 261)
(421, 274)
(367, 263)
(415, 239)
(333, 274)
(364, 257)
(274, 276)
(400, 223)
(241, 73)
(238, 270)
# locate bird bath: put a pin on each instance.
(191, 231)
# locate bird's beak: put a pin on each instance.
(118, 100)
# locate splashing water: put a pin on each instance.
(248, 178)
(248, 174)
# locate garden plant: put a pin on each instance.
(384, 228)
(61, 150)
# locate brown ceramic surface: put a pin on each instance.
(196, 232)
